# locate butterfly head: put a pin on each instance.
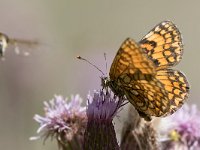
(105, 82)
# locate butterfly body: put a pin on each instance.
(141, 72)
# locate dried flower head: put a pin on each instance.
(138, 134)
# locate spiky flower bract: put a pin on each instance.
(100, 133)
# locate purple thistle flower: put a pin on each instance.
(65, 120)
(103, 106)
(183, 130)
(100, 133)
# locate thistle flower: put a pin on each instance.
(100, 133)
(65, 120)
(183, 129)
(138, 134)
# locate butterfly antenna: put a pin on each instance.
(81, 58)
(106, 62)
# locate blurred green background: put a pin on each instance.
(65, 29)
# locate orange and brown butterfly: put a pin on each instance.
(141, 72)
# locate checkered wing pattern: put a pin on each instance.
(176, 85)
(134, 73)
(130, 59)
(163, 45)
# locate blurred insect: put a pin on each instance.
(141, 72)
(5, 41)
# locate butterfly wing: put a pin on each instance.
(134, 73)
(163, 45)
(148, 96)
(176, 85)
(130, 59)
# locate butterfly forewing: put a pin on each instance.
(130, 59)
(163, 45)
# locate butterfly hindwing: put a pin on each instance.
(163, 45)
(147, 95)
(176, 85)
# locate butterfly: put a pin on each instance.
(141, 72)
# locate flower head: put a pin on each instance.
(63, 119)
(101, 109)
(103, 106)
(183, 128)
(138, 134)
